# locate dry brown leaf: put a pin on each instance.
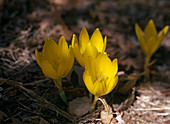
(127, 103)
(121, 43)
(127, 82)
(127, 86)
(79, 106)
(130, 63)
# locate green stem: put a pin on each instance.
(146, 68)
(58, 83)
(63, 97)
(91, 97)
(92, 107)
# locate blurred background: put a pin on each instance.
(25, 24)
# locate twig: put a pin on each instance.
(153, 109)
(36, 82)
(89, 115)
(30, 111)
(23, 105)
(12, 116)
(32, 95)
(9, 81)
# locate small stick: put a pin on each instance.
(9, 81)
(45, 103)
(36, 82)
(153, 109)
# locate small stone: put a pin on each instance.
(79, 106)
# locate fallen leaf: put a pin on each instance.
(127, 103)
(127, 86)
(126, 83)
(79, 106)
(130, 63)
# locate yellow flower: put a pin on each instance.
(88, 47)
(150, 40)
(100, 75)
(56, 60)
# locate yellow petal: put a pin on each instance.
(76, 51)
(104, 71)
(66, 64)
(104, 45)
(62, 70)
(90, 51)
(110, 84)
(38, 57)
(99, 87)
(150, 30)
(71, 57)
(83, 40)
(63, 49)
(115, 66)
(69, 62)
(104, 66)
(88, 82)
(141, 39)
(165, 30)
(97, 40)
(150, 44)
(74, 41)
(111, 80)
(48, 70)
(90, 66)
(50, 51)
(159, 40)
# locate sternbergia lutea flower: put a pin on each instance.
(86, 47)
(100, 75)
(56, 61)
(150, 41)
